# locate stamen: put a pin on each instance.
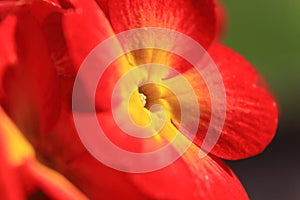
(143, 99)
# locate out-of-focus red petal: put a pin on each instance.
(54, 36)
(7, 7)
(221, 20)
(84, 27)
(15, 150)
(251, 113)
(23, 172)
(191, 177)
(10, 187)
(66, 4)
(7, 50)
(193, 18)
(41, 9)
(53, 184)
(97, 181)
(49, 14)
(32, 86)
(103, 5)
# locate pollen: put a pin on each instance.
(143, 99)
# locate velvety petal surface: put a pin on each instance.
(193, 18)
(251, 112)
(191, 177)
(50, 43)
(188, 178)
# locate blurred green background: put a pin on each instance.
(267, 33)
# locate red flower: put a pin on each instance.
(43, 44)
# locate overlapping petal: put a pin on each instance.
(6, 7)
(7, 51)
(31, 86)
(221, 21)
(10, 187)
(52, 44)
(71, 158)
(51, 183)
(193, 18)
(192, 177)
(84, 27)
(99, 181)
(21, 174)
(251, 112)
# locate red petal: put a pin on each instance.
(84, 28)
(193, 18)
(221, 20)
(10, 187)
(6, 7)
(187, 178)
(22, 171)
(103, 4)
(71, 158)
(251, 115)
(50, 17)
(54, 34)
(65, 3)
(7, 50)
(41, 9)
(192, 178)
(98, 181)
(32, 86)
(50, 182)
